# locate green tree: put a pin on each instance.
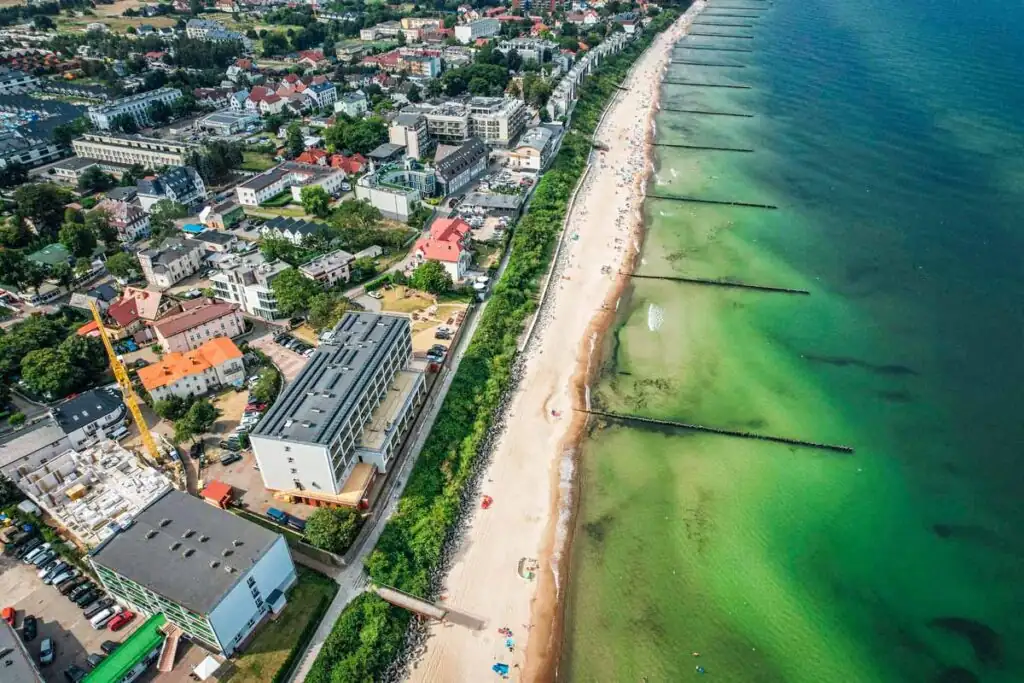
(122, 265)
(83, 265)
(431, 277)
(62, 273)
(124, 123)
(173, 408)
(266, 387)
(16, 420)
(9, 493)
(293, 291)
(47, 374)
(414, 95)
(325, 310)
(363, 268)
(13, 174)
(293, 140)
(332, 529)
(98, 221)
(196, 421)
(43, 204)
(162, 217)
(78, 238)
(159, 112)
(316, 201)
(94, 180)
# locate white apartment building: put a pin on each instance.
(534, 150)
(136, 106)
(481, 28)
(330, 268)
(90, 416)
(289, 174)
(181, 184)
(215, 363)
(193, 327)
(174, 260)
(344, 415)
(245, 280)
(353, 104)
(322, 95)
(14, 82)
(149, 153)
(213, 574)
(497, 121)
(410, 130)
(129, 219)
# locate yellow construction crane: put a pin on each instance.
(130, 399)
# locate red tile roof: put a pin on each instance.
(439, 251)
(182, 322)
(124, 312)
(312, 156)
(449, 229)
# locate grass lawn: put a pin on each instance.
(401, 299)
(274, 643)
(281, 199)
(293, 211)
(256, 161)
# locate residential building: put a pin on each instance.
(497, 121)
(322, 95)
(14, 82)
(136, 106)
(386, 29)
(481, 28)
(100, 296)
(330, 268)
(136, 308)
(72, 169)
(313, 59)
(213, 364)
(353, 104)
(460, 166)
(535, 149)
(393, 189)
(91, 492)
(193, 327)
(131, 222)
(90, 416)
(213, 97)
(344, 417)
(31, 446)
(181, 184)
(15, 659)
(421, 22)
(223, 216)
(410, 131)
(170, 262)
(295, 230)
(16, 148)
(149, 153)
(289, 174)
(532, 50)
(228, 122)
(216, 241)
(416, 62)
(213, 574)
(448, 244)
(200, 28)
(246, 280)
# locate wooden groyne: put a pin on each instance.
(835, 448)
(701, 147)
(729, 16)
(708, 85)
(707, 113)
(722, 66)
(708, 47)
(721, 283)
(720, 202)
(715, 23)
(719, 35)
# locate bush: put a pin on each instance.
(332, 529)
(16, 420)
(266, 387)
(368, 635)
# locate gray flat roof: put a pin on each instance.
(315, 406)
(17, 661)
(33, 438)
(152, 550)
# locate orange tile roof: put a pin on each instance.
(176, 366)
(217, 491)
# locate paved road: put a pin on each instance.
(351, 579)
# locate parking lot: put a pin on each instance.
(289, 362)
(58, 618)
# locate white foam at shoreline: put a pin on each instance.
(655, 317)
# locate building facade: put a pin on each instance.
(410, 130)
(149, 153)
(181, 184)
(481, 28)
(246, 281)
(213, 364)
(460, 167)
(136, 106)
(350, 406)
(192, 328)
(289, 174)
(353, 104)
(16, 148)
(14, 82)
(174, 260)
(330, 268)
(214, 575)
(90, 416)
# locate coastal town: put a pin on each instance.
(266, 267)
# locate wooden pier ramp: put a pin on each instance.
(701, 147)
(754, 17)
(410, 602)
(720, 202)
(721, 283)
(835, 448)
(708, 85)
(707, 113)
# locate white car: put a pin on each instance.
(65, 575)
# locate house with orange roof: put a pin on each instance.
(448, 244)
(314, 156)
(216, 363)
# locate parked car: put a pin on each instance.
(256, 407)
(53, 570)
(94, 660)
(80, 590)
(68, 586)
(88, 598)
(75, 674)
(46, 651)
(277, 516)
(29, 628)
(108, 646)
(100, 606)
(296, 523)
(45, 558)
(230, 458)
(121, 620)
(29, 547)
(36, 552)
(9, 615)
(64, 577)
(100, 621)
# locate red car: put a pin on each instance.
(121, 620)
(9, 615)
(256, 407)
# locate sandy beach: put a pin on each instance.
(530, 470)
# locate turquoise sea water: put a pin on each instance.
(890, 136)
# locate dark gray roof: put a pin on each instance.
(409, 120)
(76, 163)
(305, 228)
(468, 154)
(153, 550)
(104, 292)
(176, 178)
(214, 237)
(124, 194)
(385, 151)
(86, 408)
(315, 406)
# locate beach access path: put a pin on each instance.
(522, 476)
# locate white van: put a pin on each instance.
(99, 621)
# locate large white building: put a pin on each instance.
(343, 419)
(174, 260)
(289, 175)
(214, 364)
(136, 106)
(497, 121)
(481, 28)
(180, 184)
(90, 416)
(246, 280)
(330, 268)
(213, 574)
(132, 149)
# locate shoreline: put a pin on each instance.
(529, 466)
(549, 601)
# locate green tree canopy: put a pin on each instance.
(196, 421)
(122, 265)
(265, 389)
(43, 204)
(431, 277)
(293, 140)
(94, 180)
(78, 238)
(293, 291)
(162, 217)
(98, 221)
(173, 408)
(332, 529)
(316, 201)
(326, 309)
(47, 374)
